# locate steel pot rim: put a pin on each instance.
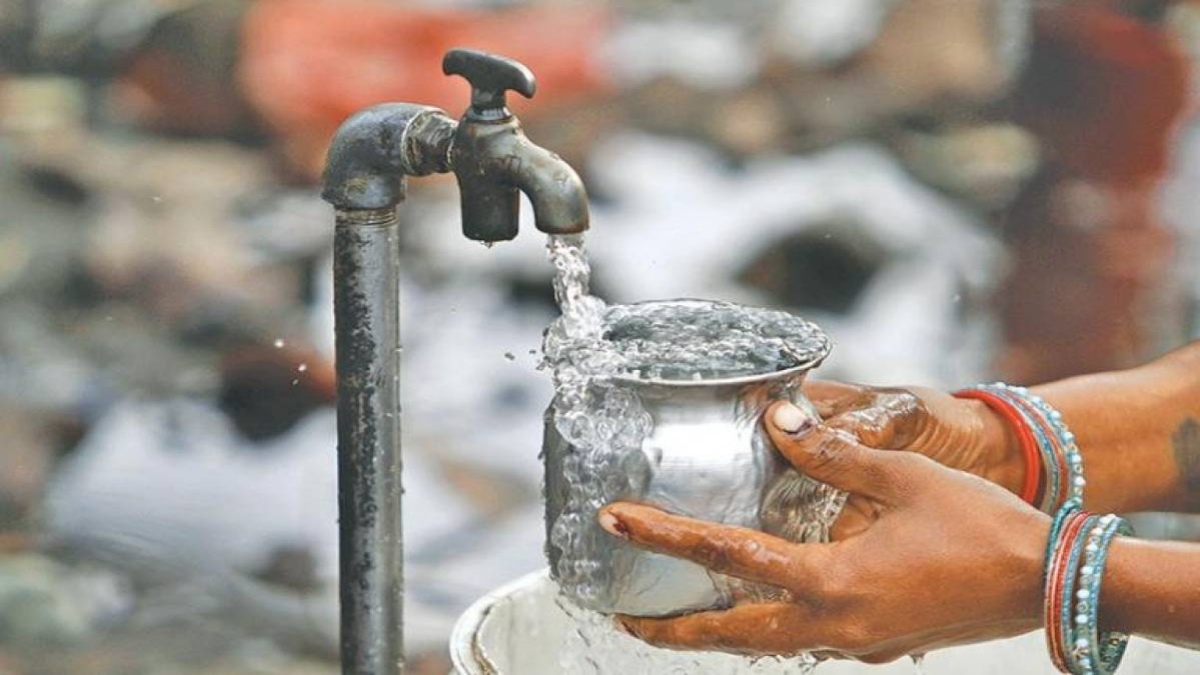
(753, 378)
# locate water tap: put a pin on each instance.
(494, 160)
(377, 148)
(370, 158)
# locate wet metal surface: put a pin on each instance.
(707, 457)
(494, 161)
(366, 315)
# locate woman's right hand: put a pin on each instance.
(963, 434)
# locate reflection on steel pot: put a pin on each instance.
(706, 456)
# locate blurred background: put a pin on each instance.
(956, 190)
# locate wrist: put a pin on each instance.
(1031, 558)
(1128, 605)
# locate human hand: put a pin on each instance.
(963, 434)
(963, 550)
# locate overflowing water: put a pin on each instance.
(590, 349)
(604, 423)
(703, 340)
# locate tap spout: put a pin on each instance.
(560, 203)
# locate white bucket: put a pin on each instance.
(519, 629)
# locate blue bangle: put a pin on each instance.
(1066, 439)
(1056, 525)
(1100, 654)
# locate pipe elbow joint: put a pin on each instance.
(374, 149)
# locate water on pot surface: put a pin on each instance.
(592, 351)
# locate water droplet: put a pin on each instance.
(279, 343)
(303, 367)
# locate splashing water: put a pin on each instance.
(596, 648)
(602, 422)
(589, 350)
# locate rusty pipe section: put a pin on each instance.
(369, 160)
(366, 316)
(376, 148)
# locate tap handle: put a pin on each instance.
(490, 76)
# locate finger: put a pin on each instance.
(831, 398)
(855, 517)
(875, 427)
(736, 551)
(829, 455)
(754, 629)
(892, 420)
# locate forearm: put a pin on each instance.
(1139, 432)
(1152, 589)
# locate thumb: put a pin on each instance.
(829, 455)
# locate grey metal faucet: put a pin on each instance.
(371, 155)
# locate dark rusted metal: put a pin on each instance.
(369, 158)
(490, 77)
(367, 322)
(377, 147)
(494, 161)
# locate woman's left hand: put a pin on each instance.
(944, 558)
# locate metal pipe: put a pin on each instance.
(367, 322)
(369, 158)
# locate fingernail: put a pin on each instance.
(792, 420)
(613, 526)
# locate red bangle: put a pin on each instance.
(1028, 443)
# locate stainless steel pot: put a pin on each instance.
(707, 457)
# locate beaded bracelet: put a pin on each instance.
(1061, 464)
(1066, 449)
(1096, 652)
(1076, 555)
